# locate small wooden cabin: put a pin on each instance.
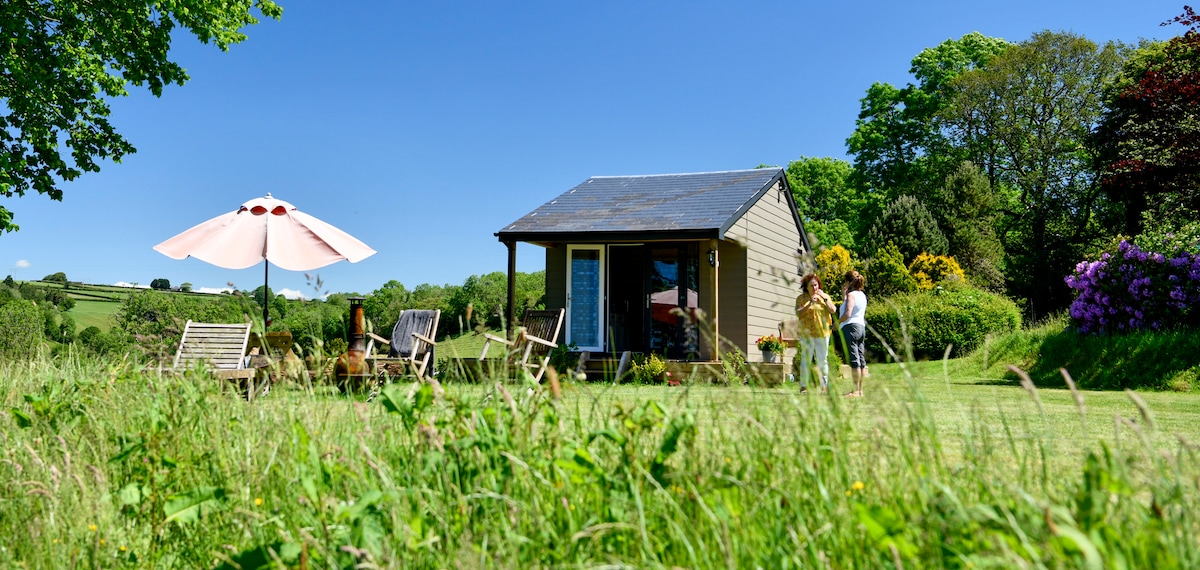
(632, 259)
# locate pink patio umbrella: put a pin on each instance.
(663, 302)
(266, 229)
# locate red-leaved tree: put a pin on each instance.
(1148, 142)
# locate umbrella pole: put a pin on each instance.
(266, 295)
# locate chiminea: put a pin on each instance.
(351, 371)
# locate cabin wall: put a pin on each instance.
(731, 304)
(770, 237)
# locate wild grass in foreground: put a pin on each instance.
(110, 467)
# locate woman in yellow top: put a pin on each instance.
(814, 310)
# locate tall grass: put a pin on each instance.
(111, 467)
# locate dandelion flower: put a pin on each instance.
(91, 528)
(258, 501)
(858, 486)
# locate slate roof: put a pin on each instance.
(667, 206)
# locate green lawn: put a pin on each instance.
(465, 346)
(960, 402)
(959, 406)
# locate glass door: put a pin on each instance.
(673, 291)
(625, 267)
(585, 297)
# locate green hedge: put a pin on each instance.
(20, 329)
(956, 314)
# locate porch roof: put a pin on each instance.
(663, 206)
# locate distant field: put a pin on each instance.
(95, 304)
(97, 294)
(93, 313)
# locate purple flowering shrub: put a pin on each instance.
(1135, 290)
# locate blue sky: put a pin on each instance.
(424, 128)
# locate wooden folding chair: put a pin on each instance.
(535, 339)
(789, 332)
(221, 347)
(411, 346)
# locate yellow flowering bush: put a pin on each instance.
(929, 270)
(832, 265)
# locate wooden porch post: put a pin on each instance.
(714, 246)
(510, 310)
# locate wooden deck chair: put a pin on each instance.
(411, 346)
(535, 339)
(220, 346)
(789, 332)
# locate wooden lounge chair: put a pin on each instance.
(411, 347)
(535, 339)
(789, 332)
(221, 347)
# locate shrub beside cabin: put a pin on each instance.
(629, 257)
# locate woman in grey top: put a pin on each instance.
(853, 325)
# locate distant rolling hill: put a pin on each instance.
(95, 304)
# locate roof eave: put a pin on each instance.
(779, 175)
(547, 239)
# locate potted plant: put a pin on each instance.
(770, 345)
(649, 369)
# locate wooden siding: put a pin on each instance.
(771, 283)
(731, 284)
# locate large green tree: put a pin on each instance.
(966, 207)
(831, 208)
(1148, 143)
(60, 62)
(898, 146)
(909, 227)
(487, 295)
(383, 305)
(1026, 119)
